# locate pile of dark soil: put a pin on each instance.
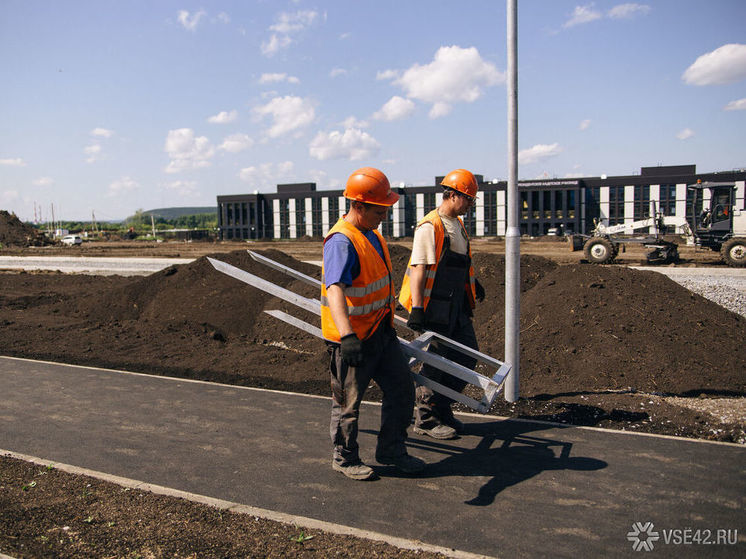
(15, 233)
(50, 513)
(585, 330)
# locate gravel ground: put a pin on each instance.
(726, 287)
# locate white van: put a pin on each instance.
(71, 240)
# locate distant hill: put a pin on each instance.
(173, 213)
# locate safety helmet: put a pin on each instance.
(371, 186)
(461, 180)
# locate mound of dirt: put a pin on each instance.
(584, 328)
(13, 232)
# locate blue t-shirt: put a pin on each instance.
(341, 262)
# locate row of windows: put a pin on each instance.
(540, 210)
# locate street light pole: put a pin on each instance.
(512, 234)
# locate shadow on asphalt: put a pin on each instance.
(506, 453)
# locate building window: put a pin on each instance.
(668, 199)
(616, 205)
(316, 217)
(570, 204)
(490, 213)
(429, 202)
(547, 204)
(535, 205)
(642, 201)
(300, 217)
(592, 204)
(284, 220)
(559, 211)
(524, 205)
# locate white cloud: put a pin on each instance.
(387, 75)
(102, 132)
(224, 18)
(352, 144)
(627, 11)
(267, 173)
(13, 162)
(337, 72)
(455, 75)
(122, 186)
(583, 14)
(274, 44)
(223, 117)
(289, 114)
(43, 181)
(585, 124)
(272, 78)
(187, 151)
(539, 152)
(236, 143)
(726, 64)
(186, 189)
(439, 109)
(287, 24)
(685, 134)
(395, 108)
(292, 22)
(190, 22)
(92, 151)
(352, 122)
(739, 105)
(346, 35)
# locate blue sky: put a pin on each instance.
(112, 106)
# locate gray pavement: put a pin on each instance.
(508, 488)
(91, 265)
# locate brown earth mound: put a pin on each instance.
(584, 329)
(13, 232)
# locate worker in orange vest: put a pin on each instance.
(357, 312)
(439, 290)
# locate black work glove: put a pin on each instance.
(479, 290)
(417, 319)
(352, 350)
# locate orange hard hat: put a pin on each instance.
(461, 180)
(371, 186)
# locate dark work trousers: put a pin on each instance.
(385, 364)
(433, 408)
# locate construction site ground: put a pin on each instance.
(604, 347)
(505, 488)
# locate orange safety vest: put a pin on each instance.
(405, 295)
(370, 298)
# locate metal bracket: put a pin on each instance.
(416, 350)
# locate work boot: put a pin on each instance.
(357, 471)
(440, 432)
(403, 462)
(447, 418)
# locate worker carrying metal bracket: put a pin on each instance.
(357, 316)
(415, 350)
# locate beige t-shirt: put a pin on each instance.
(423, 245)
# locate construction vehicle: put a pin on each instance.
(721, 228)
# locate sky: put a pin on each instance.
(107, 107)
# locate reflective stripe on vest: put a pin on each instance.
(370, 298)
(405, 295)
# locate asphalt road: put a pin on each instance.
(99, 265)
(508, 488)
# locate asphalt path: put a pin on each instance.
(507, 488)
(97, 265)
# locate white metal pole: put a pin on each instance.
(512, 234)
